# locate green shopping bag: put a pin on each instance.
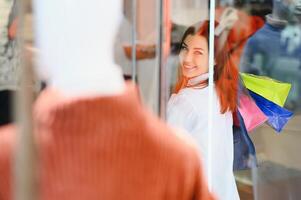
(266, 87)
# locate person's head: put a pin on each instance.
(75, 41)
(287, 9)
(194, 61)
(193, 55)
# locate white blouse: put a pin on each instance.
(189, 110)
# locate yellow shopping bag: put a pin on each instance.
(266, 87)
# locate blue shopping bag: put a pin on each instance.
(277, 116)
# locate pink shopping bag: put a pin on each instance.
(250, 112)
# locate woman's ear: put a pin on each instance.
(214, 61)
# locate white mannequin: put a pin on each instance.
(284, 11)
(78, 60)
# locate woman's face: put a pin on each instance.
(194, 56)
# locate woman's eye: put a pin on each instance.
(198, 53)
(184, 48)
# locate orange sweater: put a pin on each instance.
(107, 148)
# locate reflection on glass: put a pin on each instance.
(275, 51)
(147, 69)
(263, 38)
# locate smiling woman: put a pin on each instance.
(188, 107)
(194, 63)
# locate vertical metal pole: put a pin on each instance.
(159, 54)
(211, 88)
(134, 40)
(254, 173)
(24, 168)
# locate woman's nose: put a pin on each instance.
(188, 57)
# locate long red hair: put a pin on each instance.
(225, 71)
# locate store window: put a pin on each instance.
(263, 39)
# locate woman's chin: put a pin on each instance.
(190, 75)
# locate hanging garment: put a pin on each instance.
(242, 29)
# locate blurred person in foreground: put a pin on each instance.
(94, 139)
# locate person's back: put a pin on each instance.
(105, 148)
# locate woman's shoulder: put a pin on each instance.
(191, 93)
(180, 98)
(196, 96)
(181, 112)
(181, 101)
(188, 99)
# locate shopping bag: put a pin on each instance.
(277, 116)
(251, 114)
(266, 87)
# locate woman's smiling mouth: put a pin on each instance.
(189, 68)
